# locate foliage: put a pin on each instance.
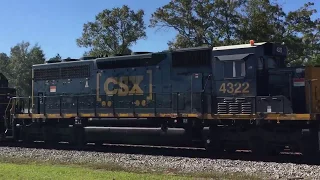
(226, 22)
(4, 61)
(21, 59)
(56, 58)
(113, 31)
(302, 35)
(198, 22)
(261, 21)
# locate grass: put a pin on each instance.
(24, 168)
(36, 171)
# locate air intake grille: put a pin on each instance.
(234, 106)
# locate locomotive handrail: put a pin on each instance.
(166, 103)
(5, 114)
(58, 103)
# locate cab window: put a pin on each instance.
(233, 69)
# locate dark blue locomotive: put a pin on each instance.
(219, 96)
(186, 82)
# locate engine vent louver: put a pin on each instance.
(234, 106)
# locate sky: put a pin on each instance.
(55, 25)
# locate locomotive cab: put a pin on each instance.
(247, 76)
(269, 62)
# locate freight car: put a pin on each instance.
(223, 98)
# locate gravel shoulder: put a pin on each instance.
(200, 167)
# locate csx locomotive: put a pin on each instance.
(222, 98)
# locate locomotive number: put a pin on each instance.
(234, 88)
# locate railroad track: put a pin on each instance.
(243, 155)
(184, 160)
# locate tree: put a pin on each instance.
(4, 61)
(226, 22)
(22, 57)
(56, 58)
(199, 22)
(261, 20)
(113, 31)
(303, 36)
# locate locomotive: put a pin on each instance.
(222, 98)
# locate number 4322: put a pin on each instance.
(234, 88)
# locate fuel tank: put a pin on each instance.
(143, 136)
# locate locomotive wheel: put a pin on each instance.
(78, 139)
(258, 146)
(49, 136)
(213, 144)
(213, 147)
(99, 143)
(309, 144)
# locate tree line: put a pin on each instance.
(197, 23)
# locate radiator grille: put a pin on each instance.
(234, 106)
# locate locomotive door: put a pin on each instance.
(40, 103)
(196, 92)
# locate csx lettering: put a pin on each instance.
(234, 88)
(123, 83)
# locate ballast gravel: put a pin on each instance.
(271, 170)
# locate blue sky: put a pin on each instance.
(55, 25)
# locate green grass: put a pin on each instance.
(36, 171)
(18, 168)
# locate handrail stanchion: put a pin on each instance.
(60, 105)
(77, 97)
(177, 103)
(171, 104)
(155, 104)
(133, 103)
(114, 113)
(29, 102)
(202, 96)
(95, 105)
(44, 105)
(22, 106)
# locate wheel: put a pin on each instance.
(213, 144)
(78, 139)
(258, 146)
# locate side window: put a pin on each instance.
(228, 69)
(260, 63)
(233, 69)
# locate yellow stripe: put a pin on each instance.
(69, 115)
(87, 114)
(273, 117)
(145, 115)
(230, 116)
(52, 116)
(283, 117)
(105, 115)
